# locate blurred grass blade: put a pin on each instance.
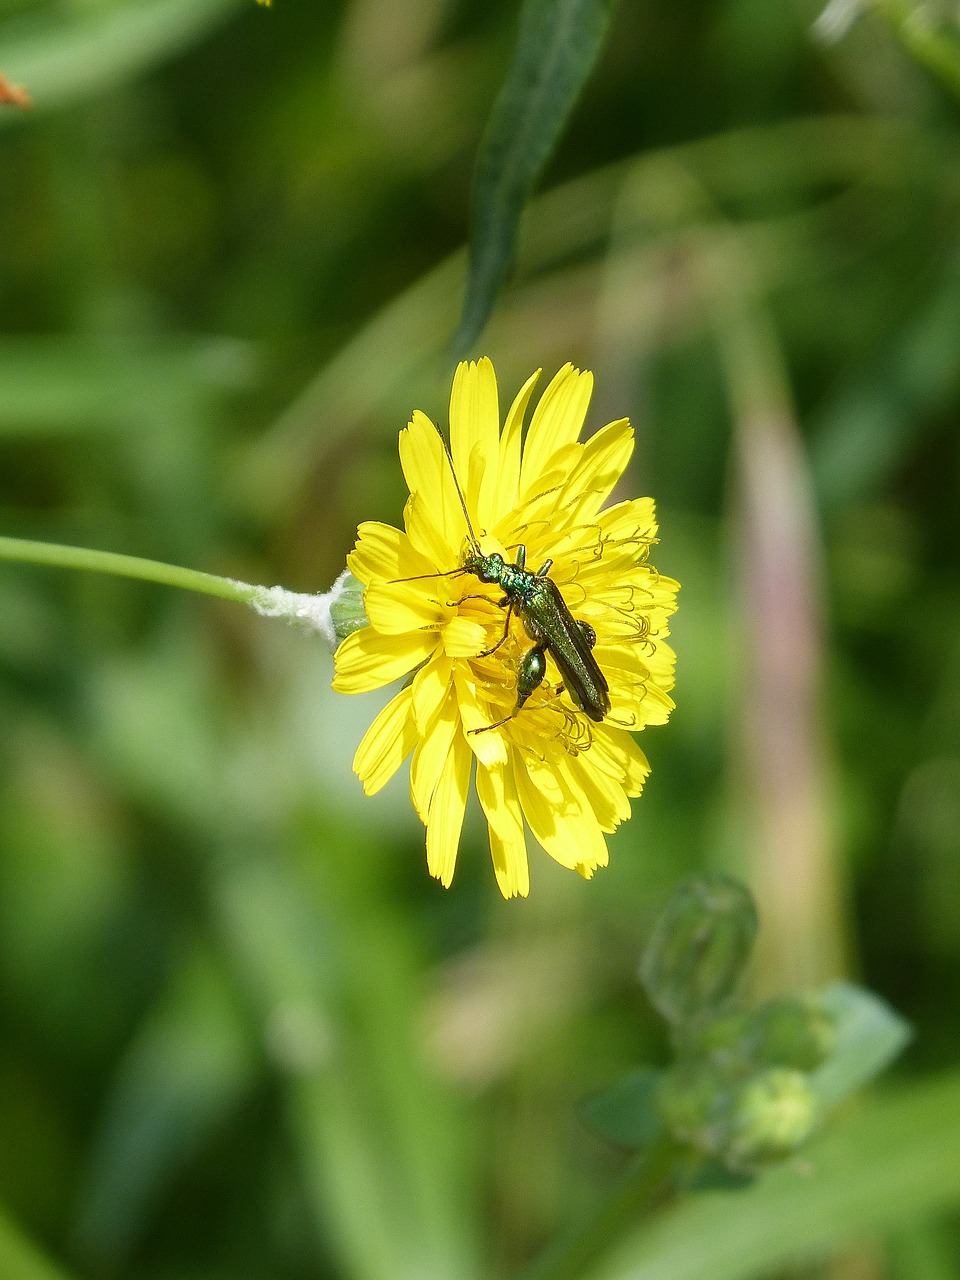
(184, 1074)
(870, 1035)
(894, 1163)
(63, 385)
(876, 417)
(558, 44)
(378, 1139)
(20, 1259)
(62, 61)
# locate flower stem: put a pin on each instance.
(50, 553)
(333, 614)
(645, 1182)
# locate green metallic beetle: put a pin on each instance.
(547, 620)
(536, 599)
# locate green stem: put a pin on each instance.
(50, 553)
(645, 1182)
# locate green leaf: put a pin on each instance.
(869, 1036)
(893, 1163)
(626, 1112)
(62, 60)
(558, 45)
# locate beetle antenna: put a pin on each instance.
(456, 484)
(418, 577)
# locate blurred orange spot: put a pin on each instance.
(12, 93)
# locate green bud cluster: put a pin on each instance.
(740, 1089)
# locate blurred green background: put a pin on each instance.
(242, 1033)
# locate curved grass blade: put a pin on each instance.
(558, 44)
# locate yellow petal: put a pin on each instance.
(430, 756)
(489, 746)
(385, 552)
(635, 702)
(445, 820)
(368, 660)
(427, 473)
(617, 755)
(426, 535)
(540, 810)
(501, 806)
(635, 518)
(430, 687)
(395, 607)
(662, 663)
(544, 775)
(652, 661)
(464, 637)
(570, 834)
(538, 502)
(508, 475)
(663, 592)
(475, 435)
(602, 463)
(386, 744)
(600, 794)
(557, 421)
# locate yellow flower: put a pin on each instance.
(549, 764)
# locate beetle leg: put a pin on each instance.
(506, 631)
(533, 667)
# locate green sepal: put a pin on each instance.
(347, 612)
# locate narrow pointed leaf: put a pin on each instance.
(558, 44)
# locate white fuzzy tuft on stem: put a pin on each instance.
(309, 610)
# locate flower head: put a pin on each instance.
(550, 764)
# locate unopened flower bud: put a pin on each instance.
(700, 947)
(795, 1031)
(771, 1116)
